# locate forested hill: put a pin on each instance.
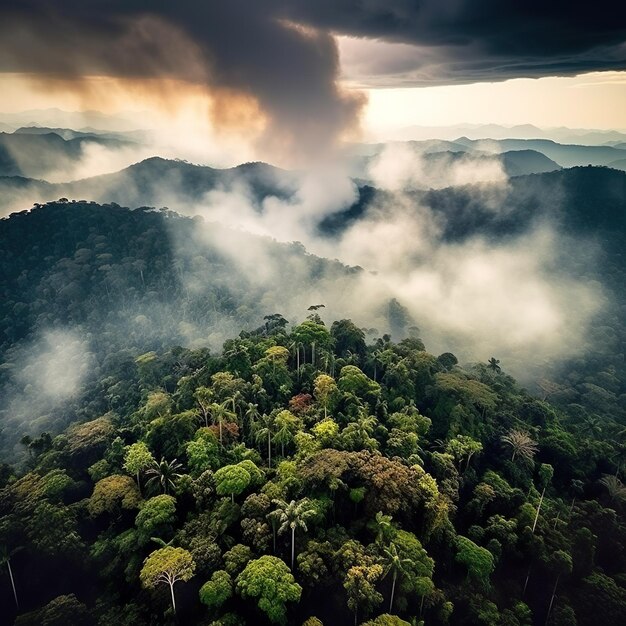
(82, 285)
(304, 477)
(101, 266)
(587, 201)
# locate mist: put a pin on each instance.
(43, 375)
(515, 298)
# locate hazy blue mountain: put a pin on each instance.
(581, 200)
(514, 162)
(58, 118)
(563, 154)
(85, 133)
(152, 182)
(561, 134)
(36, 155)
(618, 165)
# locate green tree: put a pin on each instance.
(479, 561)
(204, 399)
(202, 452)
(396, 565)
(138, 459)
(112, 494)
(358, 435)
(220, 415)
(216, 591)
(167, 566)
(156, 517)
(325, 389)
(348, 338)
(462, 448)
(287, 425)
(263, 433)
(326, 432)
(269, 580)
(165, 474)
(231, 480)
(360, 586)
(293, 516)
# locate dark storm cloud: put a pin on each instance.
(240, 47)
(283, 53)
(472, 40)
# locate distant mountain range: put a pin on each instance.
(564, 154)
(152, 182)
(496, 131)
(178, 184)
(41, 154)
(58, 118)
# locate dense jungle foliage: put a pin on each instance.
(304, 477)
(304, 473)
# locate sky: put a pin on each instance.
(293, 78)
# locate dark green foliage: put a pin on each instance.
(383, 471)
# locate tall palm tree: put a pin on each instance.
(250, 415)
(362, 430)
(284, 435)
(221, 414)
(521, 444)
(591, 426)
(615, 488)
(165, 473)
(395, 564)
(297, 345)
(292, 516)
(204, 397)
(5, 557)
(264, 430)
(382, 527)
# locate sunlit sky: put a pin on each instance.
(596, 100)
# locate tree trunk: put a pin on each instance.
(221, 442)
(422, 604)
(269, 448)
(173, 599)
(293, 546)
(393, 590)
(313, 354)
(538, 509)
(571, 508)
(232, 497)
(552, 598)
(138, 482)
(527, 579)
(17, 604)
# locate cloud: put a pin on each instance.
(400, 42)
(472, 294)
(399, 167)
(253, 62)
(40, 378)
